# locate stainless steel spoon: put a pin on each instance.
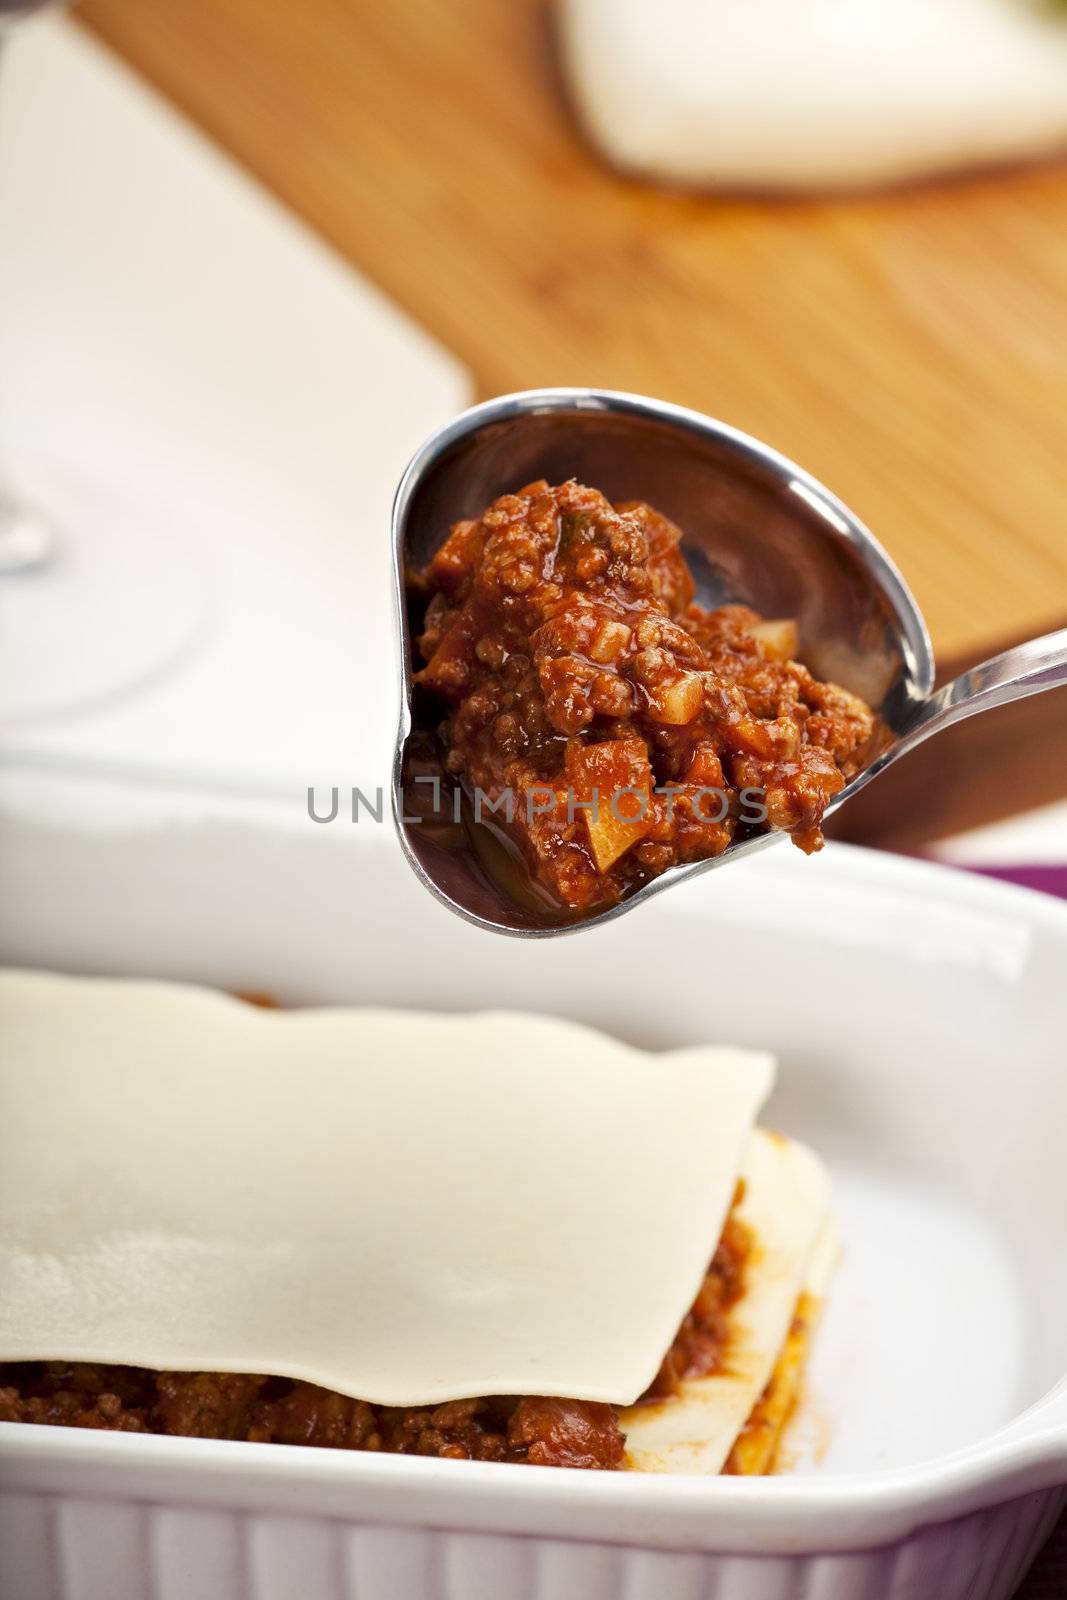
(758, 530)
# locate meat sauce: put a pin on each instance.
(603, 721)
(213, 1405)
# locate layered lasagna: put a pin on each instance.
(495, 1238)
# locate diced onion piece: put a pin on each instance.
(605, 770)
(611, 640)
(679, 701)
(778, 637)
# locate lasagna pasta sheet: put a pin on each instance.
(405, 1207)
(785, 1205)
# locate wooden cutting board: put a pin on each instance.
(909, 349)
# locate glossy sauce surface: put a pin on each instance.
(597, 718)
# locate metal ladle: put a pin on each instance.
(757, 530)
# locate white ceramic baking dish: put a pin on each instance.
(921, 1018)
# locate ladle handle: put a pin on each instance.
(1027, 669)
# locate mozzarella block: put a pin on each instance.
(405, 1207)
(785, 1204)
(772, 94)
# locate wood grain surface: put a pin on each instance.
(910, 349)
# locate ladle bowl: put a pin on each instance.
(758, 530)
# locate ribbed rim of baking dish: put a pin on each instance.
(741, 1515)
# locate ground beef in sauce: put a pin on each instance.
(564, 653)
(213, 1405)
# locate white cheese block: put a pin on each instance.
(405, 1207)
(774, 94)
